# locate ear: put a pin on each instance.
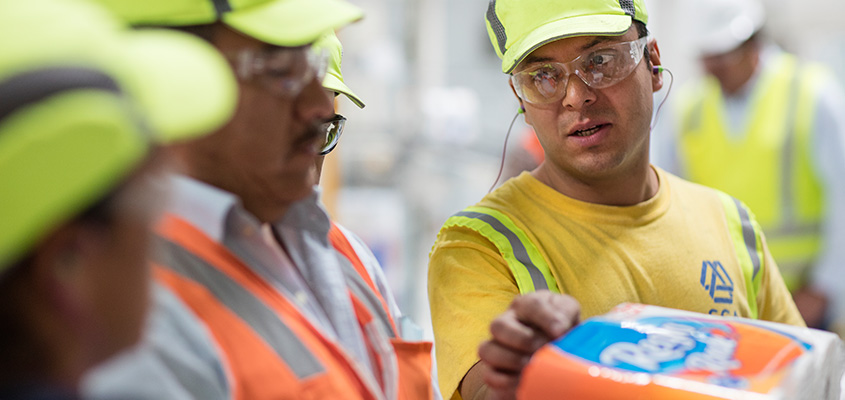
(521, 103)
(60, 262)
(654, 59)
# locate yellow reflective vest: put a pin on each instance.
(768, 166)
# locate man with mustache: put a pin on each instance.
(243, 250)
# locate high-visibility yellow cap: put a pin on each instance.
(518, 27)
(334, 78)
(288, 23)
(81, 98)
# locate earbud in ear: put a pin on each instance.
(657, 69)
(521, 109)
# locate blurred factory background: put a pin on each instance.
(429, 141)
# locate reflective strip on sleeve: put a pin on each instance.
(748, 245)
(528, 266)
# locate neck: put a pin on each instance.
(630, 188)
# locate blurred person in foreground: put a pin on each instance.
(275, 311)
(767, 128)
(595, 220)
(77, 155)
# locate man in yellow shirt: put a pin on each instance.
(595, 220)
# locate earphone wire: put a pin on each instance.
(662, 102)
(504, 151)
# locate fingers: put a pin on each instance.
(511, 333)
(502, 385)
(531, 321)
(553, 314)
(503, 358)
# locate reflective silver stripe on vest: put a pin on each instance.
(628, 7)
(519, 250)
(221, 7)
(187, 377)
(31, 87)
(261, 318)
(498, 28)
(749, 237)
(363, 292)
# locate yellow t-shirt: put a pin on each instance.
(664, 251)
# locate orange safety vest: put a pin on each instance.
(413, 358)
(271, 350)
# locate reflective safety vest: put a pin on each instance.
(532, 271)
(413, 358)
(270, 348)
(769, 165)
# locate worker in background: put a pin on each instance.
(335, 85)
(595, 220)
(342, 238)
(767, 128)
(76, 157)
(244, 244)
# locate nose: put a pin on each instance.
(577, 94)
(314, 103)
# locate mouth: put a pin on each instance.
(588, 131)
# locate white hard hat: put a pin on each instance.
(723, 25)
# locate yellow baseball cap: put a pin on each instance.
(334, 78)
(518, 27)
(81, 98)
(288, 23)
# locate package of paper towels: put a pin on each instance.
(654, 353)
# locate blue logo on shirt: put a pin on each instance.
(715, 280)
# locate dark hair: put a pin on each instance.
(642, 31)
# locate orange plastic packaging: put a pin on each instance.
(655, 353)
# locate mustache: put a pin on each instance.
(313, 131)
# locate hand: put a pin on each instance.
(530, 322)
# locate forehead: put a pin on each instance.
(566, 49)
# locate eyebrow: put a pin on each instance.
(531, 59)
(599, 40)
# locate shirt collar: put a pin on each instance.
(307, 215)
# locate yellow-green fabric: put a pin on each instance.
(768, 166)
(58, 157)
(518, 27)
(333, 80)
(82, 96)
(527, 264)
(183, 87)
(287, 23)
(675, 250)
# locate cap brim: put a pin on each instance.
(334, 84)
(184, 86)
(58, 156)
(292, 23)
(589, 25)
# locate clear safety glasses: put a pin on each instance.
(284, 71)
(332, 128)
(545, 83)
